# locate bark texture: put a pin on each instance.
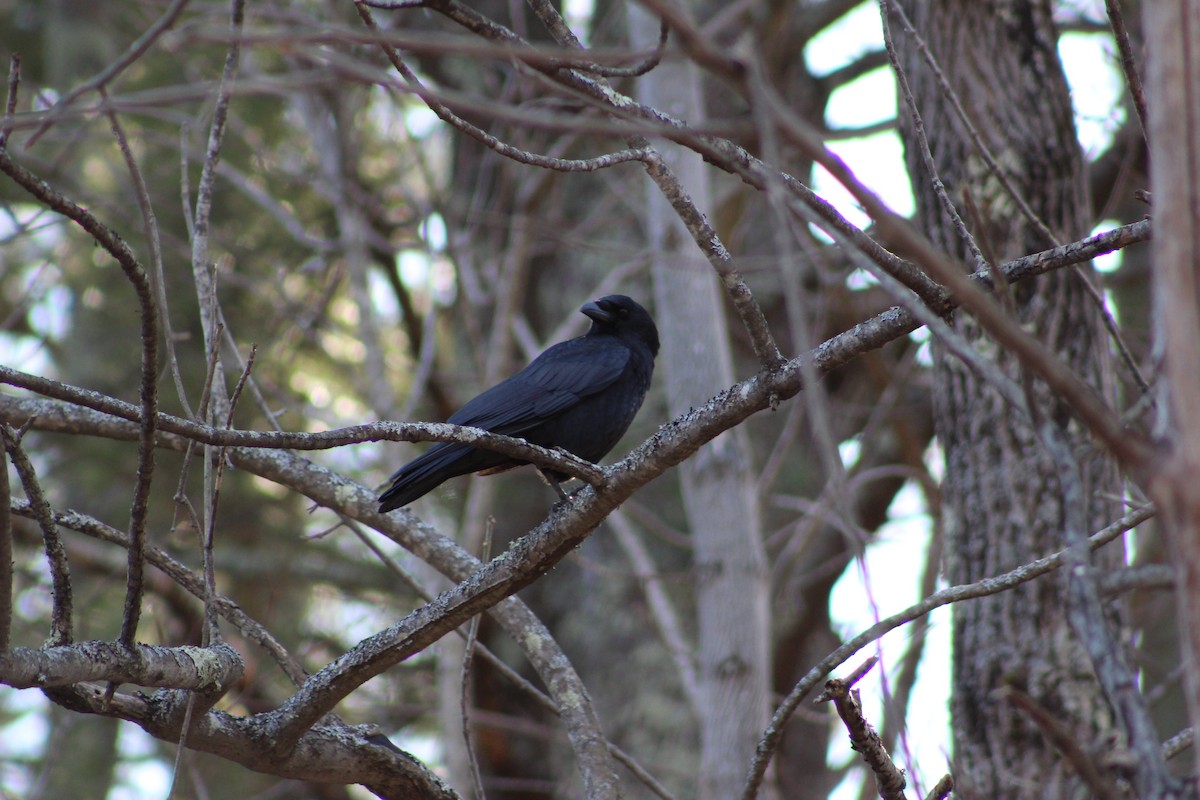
(1174, 81)
(723, 515)
(1003, 501)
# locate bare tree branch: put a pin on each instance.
(207, 669)
(863, 738)
(327, 753)
(10, 103)
(154, 242)
(6, 551)
(941, 789)
(1133, 78)
(61, 623)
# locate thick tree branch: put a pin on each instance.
(212, 670)
(329, 753)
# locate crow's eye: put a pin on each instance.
(624, 312)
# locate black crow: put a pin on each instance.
(579, 395)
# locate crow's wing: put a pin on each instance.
(554, 382)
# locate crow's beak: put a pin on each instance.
(593, 311)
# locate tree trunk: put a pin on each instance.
(1003, 503)
(718, 494)
(1175, 134)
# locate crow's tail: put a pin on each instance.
(425, 473)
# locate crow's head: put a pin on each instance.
(618, 315)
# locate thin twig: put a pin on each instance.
(393, 5)
(1178, 743)
(6, 556)
(259, 400)
(202, 414)
(154, 241)
(485, 138)
(650, 62)
(185, 182)
(942, 789)
(212, 634)
(1129, 66)
(10, 103)
(61, 632)
(939, 188)
(201, 269)
(465, 693)
(662, 611)
(181, 745)
(787, 233)
(844, 685)
(897, 703)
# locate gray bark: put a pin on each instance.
(1173, 84)
(1004, 502)
(719, 498)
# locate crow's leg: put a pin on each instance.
(553, 483)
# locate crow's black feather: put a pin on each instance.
(580, 395)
